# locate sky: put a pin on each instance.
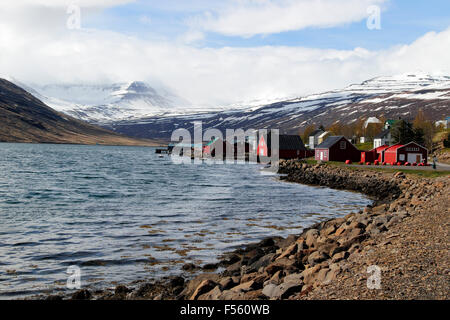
(214, 52)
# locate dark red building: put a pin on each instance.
(373, 155)
(337, 148)
(411, 152)
(290, 147)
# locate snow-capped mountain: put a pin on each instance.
(112, 102)
(138, 109)
(393, 97)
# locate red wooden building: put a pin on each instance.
(337, 148)
(373, 155)
(411, 152)
(290, 147)
(216, 146)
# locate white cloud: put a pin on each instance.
(192, 36)
(48, 52)
(63, 3)
(247, 18)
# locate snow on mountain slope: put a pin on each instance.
(113, 102)
(137, 109)
(393, 97)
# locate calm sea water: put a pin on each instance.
(123, 214)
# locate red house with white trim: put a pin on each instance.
(337, 148)
(411, 152)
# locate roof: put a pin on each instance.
(329, 142)
(413, 142)
(383, 134)
(394, 148)
(324, 134)
(288, 142)
(371, 120)
(381, 148)
(316, 132)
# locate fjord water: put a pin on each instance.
(123, 214)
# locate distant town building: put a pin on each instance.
(384, 138)
(314, 138)
(371, 120)
(411, 152)
(389, 124)
(290, 147)
(445, 123)
(337, 148)
(322, 137)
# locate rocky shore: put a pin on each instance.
(404, 234)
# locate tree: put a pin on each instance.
(447, 142)
(336, 129)
(307, 132)
(358, 127)
(425, 129)
(419, 137)
(402, 132)
(373, 129)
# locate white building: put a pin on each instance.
(322, 137)
(371, 120)
(384, 138)
(314, 138)
(445, 123)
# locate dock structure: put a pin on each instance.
(162, 151)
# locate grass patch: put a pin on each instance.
(421, 173)
(366, 146)
(441, 136)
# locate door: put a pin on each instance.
(321, 155)
(414, 157)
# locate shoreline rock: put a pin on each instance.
(292, 268)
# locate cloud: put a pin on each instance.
(192, 36)
(48, 52)
(64, 3)
(247, 18)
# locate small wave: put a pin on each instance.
(65, 255)
(25, 244)
(115, 262)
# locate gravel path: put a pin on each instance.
(413, 255)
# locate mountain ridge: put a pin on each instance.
(25, 118)
(392, 96)
(396, 96)
(108, 102)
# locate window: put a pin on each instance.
(343, 145)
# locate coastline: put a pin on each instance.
(321, 261)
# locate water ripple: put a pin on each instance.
(122, 214)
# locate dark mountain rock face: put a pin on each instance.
(24, 118)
